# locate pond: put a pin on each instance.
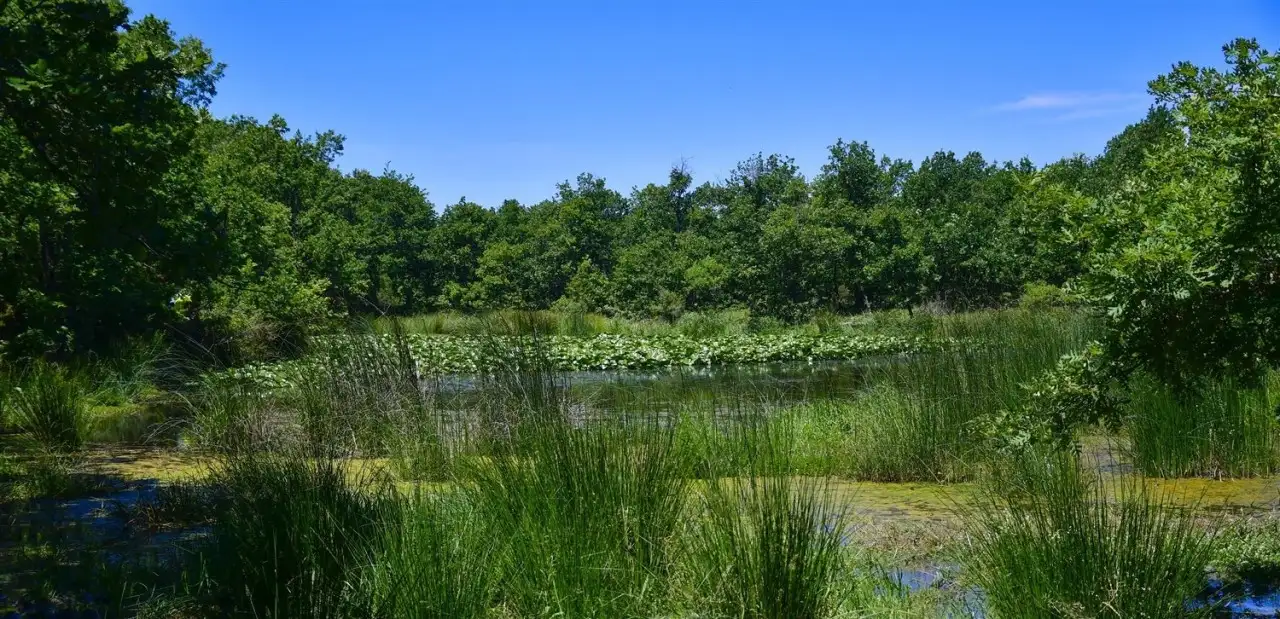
(670, 389)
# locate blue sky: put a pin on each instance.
(496, 100)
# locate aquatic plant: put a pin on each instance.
(49, 405)
(588, 514)
(1048, 540)
(1222, 429)
(480, 354)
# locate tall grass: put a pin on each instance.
(438, 560)
(228, 416)
(1224, 430)
(1051, 540)
(764, 543)
(915, 421)
(768, 547)
(130, 369)
(589, 513)
(49, 405)
(7, 384)
(292, 537)
(359, 392)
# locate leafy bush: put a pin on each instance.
(1042, 296)
(1077, 392)
(1248, 551)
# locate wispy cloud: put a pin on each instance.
(1077, 105)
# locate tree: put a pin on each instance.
(962, 205)
(801, 264)
(103, 221)
(457, 243)
(1188, 267)
(258, 183)
(395, 221)
(588, 291)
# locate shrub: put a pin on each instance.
(1039, 296)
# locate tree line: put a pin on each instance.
(126, 205)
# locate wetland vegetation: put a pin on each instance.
(954, 389)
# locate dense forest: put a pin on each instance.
(126, 206)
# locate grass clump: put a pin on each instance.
(1052, 542)
(49, 405)
(1222, 430)
(291, 537)
(767, 547)
(437, 561)
(589, 514)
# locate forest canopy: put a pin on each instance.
(126, 206)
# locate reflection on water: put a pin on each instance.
(707, 388)
(1243, 600)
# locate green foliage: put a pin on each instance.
(103, 221)
(49, 404)
(1051, 542)
(590, 515)
(290, 536)
(768, 547)
(1248, 551)
(437, 560)
(1222, 429)
(1054, 406)
(130, 208)
(588, 291)
(1042, 296)
(471, 354)
(1185, 261)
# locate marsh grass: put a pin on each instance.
(130, 369)
(50, 406)
(1050, 539)
(589, 514)
(1223, 430)
(292, 536)
(228, 416)
(437, 561)
(766, 544)
(360, 392)
(767, 547)
(916, 421)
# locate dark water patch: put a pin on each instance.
(1238, 600)
(670, 389)
(1241, 599)
(57, 553)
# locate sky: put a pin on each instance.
(495, 100)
